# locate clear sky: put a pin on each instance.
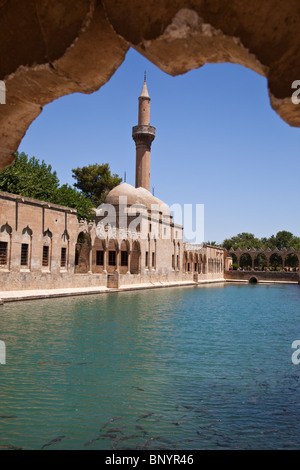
(218, 143)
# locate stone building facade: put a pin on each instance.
(132, 240)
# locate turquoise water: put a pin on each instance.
(182, 368)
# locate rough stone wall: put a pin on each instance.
(52, 48)
(261, 276)
(36, 224)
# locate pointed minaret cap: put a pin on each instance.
(144, 93)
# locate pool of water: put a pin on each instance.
(178, 368)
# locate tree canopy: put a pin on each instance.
(282, 239)
(30, 177)
(67, 196)
(95, 181)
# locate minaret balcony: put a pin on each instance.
(143, 130)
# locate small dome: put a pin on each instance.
(135, 196)
(122, 189)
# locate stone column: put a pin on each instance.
(90, 261)
(118, 254)
(105, 260)
(128, 261)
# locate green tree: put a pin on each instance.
(242, 240)
(30, 178)
(67, 196)
(282, 239)
(95, 181)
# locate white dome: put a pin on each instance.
(135, 196)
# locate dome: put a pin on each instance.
(135, 196)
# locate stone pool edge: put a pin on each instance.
(15, 296)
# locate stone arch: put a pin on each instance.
(245, 261)
(174, 255)
(83, 250)
(291, 262)
(253, 280)
(275, 262)
(212, 32)
(99, 255)
(47, 249)
(178, 257)
(135, 258)
(184, 261)
(204, 264)
(124, 256)
(260, 262)
(5, 246)
(112, 255)
(190, 261)
(64, 250)
(26, 248)
(195, 263)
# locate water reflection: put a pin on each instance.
(190, 368)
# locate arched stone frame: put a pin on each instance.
(135, 258)
(204, 264)
(26, 249)
(64, 251)
(209, 266)
(200, 261)
(5, 246)
(174, 256)
(276, 261)
(245, 260)
(178, 257)
(83, 253)
(147, 257)
(195, 263)
(153, 261)
(124, 261)
(260, 261)
(47, 250)
(190, 261)
(185, 261)
(112, 256)
(99, 258)
(292, 262)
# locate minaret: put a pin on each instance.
(143, 134)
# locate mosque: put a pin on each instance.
(132, 241)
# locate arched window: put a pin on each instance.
(135, 258)
(64, 253)
(47, 249)
(5, 246)
(112, 255)
(124, 249)
(26, 248)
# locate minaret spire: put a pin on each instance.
(143, 134)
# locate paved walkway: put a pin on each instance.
(13, 296)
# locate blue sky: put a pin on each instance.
(218, 143)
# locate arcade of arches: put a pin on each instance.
(262, 260)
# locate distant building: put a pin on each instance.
(132, 240)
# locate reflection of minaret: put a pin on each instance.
(143, 134)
